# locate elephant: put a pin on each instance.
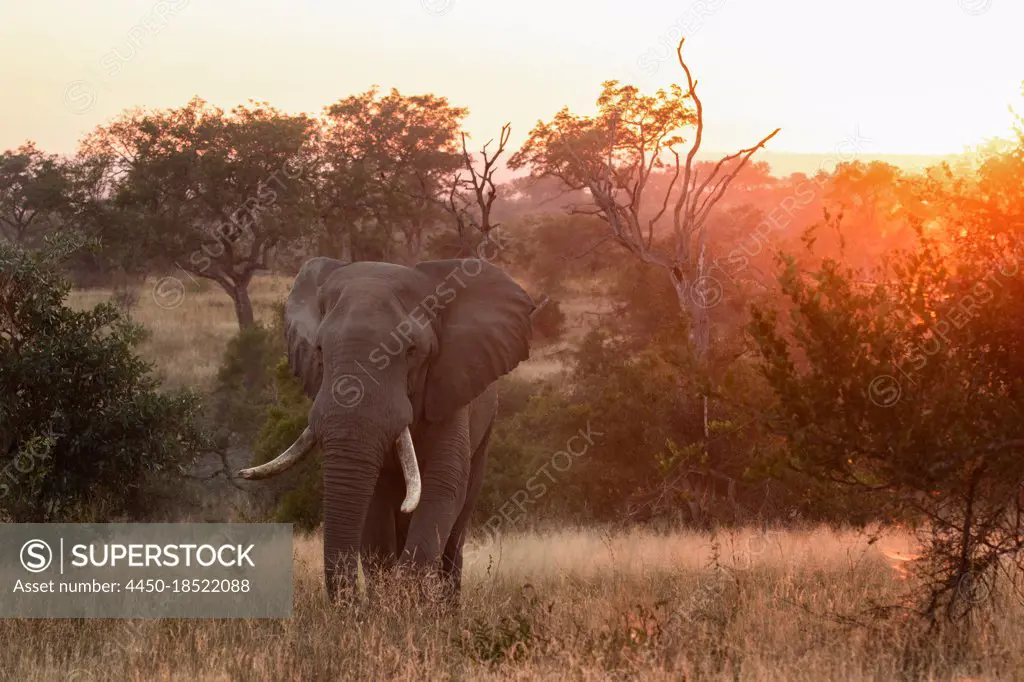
(401, 363)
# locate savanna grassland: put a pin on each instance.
(190, 324)
(769, 427)
(802, 603)
(571, 605)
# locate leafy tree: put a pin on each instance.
(34, 190)
(82, 423)
(627, 150)
(910, 388)
(554, 248)
(205, 191)
(384, 163)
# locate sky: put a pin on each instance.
(876, 76)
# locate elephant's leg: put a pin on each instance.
(379, 547)
(451, 560)
(446, 467)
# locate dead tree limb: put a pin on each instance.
(615, 156)
(470, 200)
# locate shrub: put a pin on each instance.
(296, 495)
(82, 424)
(942, 446)
(554, 248)
(638, 397)
(245, 380)
(534, 421)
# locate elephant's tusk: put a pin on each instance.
(286, 460)
(540, 306)
(411, 471)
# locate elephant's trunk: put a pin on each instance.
(350, 476)
(358, 432)
(351, 469)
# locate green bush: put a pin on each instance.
(245, 380)
(82, 423)
(297, 495)
(634, 385)
(533, 421)
(259, 400)
(553, 248)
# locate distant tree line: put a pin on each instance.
(222, 195)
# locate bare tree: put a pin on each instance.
(470, 200)
(628, 151)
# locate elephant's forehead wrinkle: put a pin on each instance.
(374, 283)
(374, 317)
(369, 308)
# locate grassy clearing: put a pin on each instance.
(191, 329)
(574, 605)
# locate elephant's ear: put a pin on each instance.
(484, 331)
(302, 316)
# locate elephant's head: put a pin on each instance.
(382, 347)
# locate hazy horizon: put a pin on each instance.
(923, 78)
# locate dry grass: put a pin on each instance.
(790, 605)
(597, 607)
(191, 329)
(189, 333)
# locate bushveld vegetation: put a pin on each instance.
(767, 380)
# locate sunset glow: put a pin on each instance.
(554, 340)
(915, 77)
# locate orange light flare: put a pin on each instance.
(898, 558)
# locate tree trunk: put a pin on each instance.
(694, 300)
(243, 308)
(239, 294)
(346, 247)
(707, 296)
